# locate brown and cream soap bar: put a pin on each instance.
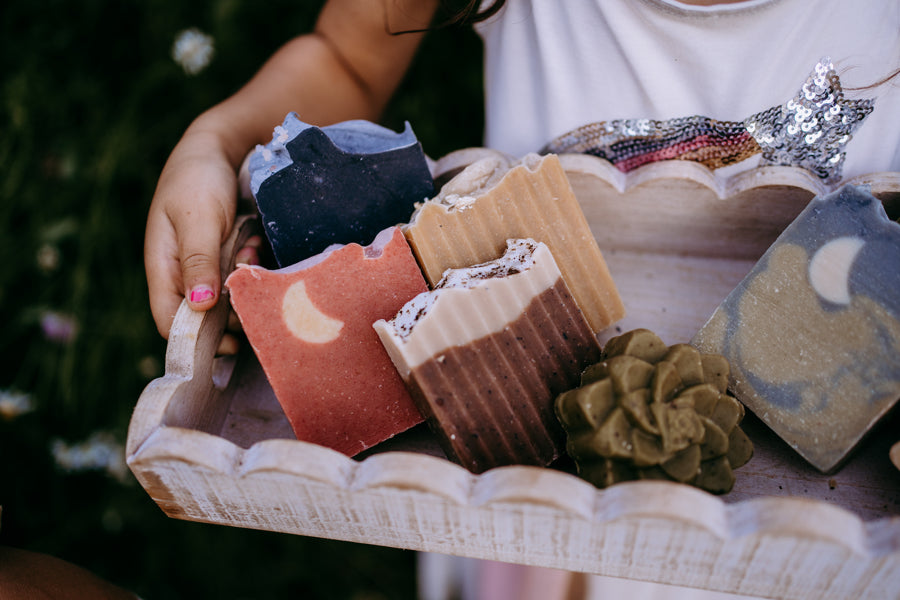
(486, 352)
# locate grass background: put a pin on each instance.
(92, 103)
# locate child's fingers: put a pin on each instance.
(247, 255)
(249, 252)
(228, 345)
(163, 272)
(199, 258)
(234, 323)
(190, 216)
(164, 303)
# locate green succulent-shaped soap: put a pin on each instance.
(651, 411)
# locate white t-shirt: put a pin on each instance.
(552, 66)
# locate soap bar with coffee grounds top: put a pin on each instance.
(337, 184)
(813, 331)
(487, 203)
(310, 325)
(487, 351)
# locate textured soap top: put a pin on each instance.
(475, 301)
(341, 183)
(356, 136)
(813, 331)
(486, 204)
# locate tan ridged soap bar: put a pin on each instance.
(487, 204)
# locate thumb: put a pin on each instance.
(200, 269)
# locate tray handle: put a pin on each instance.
(187, 395)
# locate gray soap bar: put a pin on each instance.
(813, 331)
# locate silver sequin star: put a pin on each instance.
(811, 129)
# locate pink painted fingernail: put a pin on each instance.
(201, 293)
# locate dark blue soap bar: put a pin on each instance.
(339, 184)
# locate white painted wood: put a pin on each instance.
(213, 448)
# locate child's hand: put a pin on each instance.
(190, 217)
(346, 69)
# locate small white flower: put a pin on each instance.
(14, 404)
(193, 50)
(100, 452)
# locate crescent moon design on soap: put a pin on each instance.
(304, 319)
(829, 268)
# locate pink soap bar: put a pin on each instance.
(310, 325)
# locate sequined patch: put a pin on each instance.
(810, 131)
(630, 143)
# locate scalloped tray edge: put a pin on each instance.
(724, 185)
(434, 479)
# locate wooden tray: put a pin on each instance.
(209, 442)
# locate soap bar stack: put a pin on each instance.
(487, 351)
(356, 346)
(322, 194)
(487, 204)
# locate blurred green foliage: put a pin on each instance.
(92, 103)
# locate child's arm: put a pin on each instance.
(347, 68)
